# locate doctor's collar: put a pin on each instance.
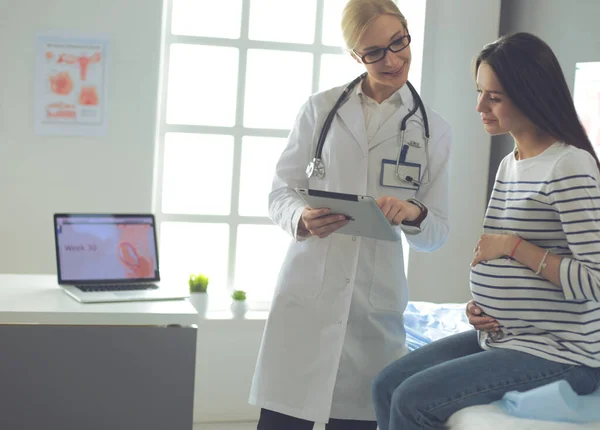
(397, 98)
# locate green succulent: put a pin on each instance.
(198, 283)
(238, 295)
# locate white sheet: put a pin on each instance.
(491, 417)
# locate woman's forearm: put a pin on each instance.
(532, 256)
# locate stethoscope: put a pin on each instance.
(317, 168)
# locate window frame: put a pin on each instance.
(238, 131)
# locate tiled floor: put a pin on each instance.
(236, 426)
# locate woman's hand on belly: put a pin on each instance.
(479, 320)
(493, 246)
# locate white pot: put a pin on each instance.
(200, 302)
(239, 308)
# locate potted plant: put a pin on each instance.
(238, 305)
(198, 296)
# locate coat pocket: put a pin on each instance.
(388, 289)
(302, 272)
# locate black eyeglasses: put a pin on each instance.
(379, 54)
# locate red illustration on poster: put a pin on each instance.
(70, 92)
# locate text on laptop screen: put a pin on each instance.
(106, 248)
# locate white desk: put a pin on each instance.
(71, 366)
(37, 299)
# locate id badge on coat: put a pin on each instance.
(388, 177)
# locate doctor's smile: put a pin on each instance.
(395, 73)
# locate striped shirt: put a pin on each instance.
(553, 201)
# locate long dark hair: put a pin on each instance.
(531, 76)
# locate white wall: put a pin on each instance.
(41, 175)
(455, 32)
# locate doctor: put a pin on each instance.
(336, 316)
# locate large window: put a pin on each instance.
(235, 73)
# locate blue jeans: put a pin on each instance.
(425, 387)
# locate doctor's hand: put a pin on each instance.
(320, 222)
(396, 210)
(479, 320)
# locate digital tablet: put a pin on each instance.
(366, 218)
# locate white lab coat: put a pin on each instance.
(336, 315)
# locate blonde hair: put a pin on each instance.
(358, 14)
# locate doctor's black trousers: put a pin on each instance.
(270, 420)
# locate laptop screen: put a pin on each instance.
(105, 248)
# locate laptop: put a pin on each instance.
(109, 258)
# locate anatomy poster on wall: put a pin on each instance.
(70, 87)
(587, 99)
